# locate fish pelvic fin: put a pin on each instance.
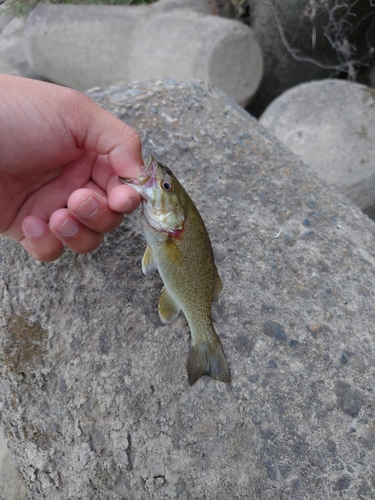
(208, 359)
(148, 261)
(168, 309)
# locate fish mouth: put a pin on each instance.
(146, 179)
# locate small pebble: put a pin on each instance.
(344, 359)
(307, 234)
(274, 329)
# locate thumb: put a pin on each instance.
(100, 131)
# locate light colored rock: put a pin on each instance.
(5, 18)
(92, 45)
(330, 125)
(11, 487)
(12, 54)
(94, 399)
(16, 25)
(200, 6)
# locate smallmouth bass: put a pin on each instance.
(178, 246)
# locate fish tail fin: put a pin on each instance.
(208, 359)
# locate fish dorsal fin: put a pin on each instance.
(148, 261)
(168, 309)
(218, 286)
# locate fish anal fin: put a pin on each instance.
(168, 309)
(208, 359)
(218, 285)
(148, 261)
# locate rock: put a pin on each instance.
(15, 26)
(307, 40)
(95, 400)
(11, 486)
(372, 75)
(348, 400)
(12, 55)
(83, 46)
(5, 17)
(199, 6)
(330, 125)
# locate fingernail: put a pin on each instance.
(130, 205)
(34, 227)
(87, 208)
(68, 228)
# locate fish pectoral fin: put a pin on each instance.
(168, 309)
(148, 261)
(208, 359)
(218, 286)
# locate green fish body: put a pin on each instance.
(178, 246)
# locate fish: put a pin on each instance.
(179, 247)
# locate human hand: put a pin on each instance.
(60, 158)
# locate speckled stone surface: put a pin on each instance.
(95, 401)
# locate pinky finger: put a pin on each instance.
(39, 241)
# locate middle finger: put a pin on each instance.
(91, 209)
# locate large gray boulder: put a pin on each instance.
(12, 55)
(11, 486)
(95, 401)
(330, 125)
(83, 46)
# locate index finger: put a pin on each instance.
(121, 198)
(98, 130)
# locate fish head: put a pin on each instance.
(162, 196)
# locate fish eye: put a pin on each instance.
(167, 186)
